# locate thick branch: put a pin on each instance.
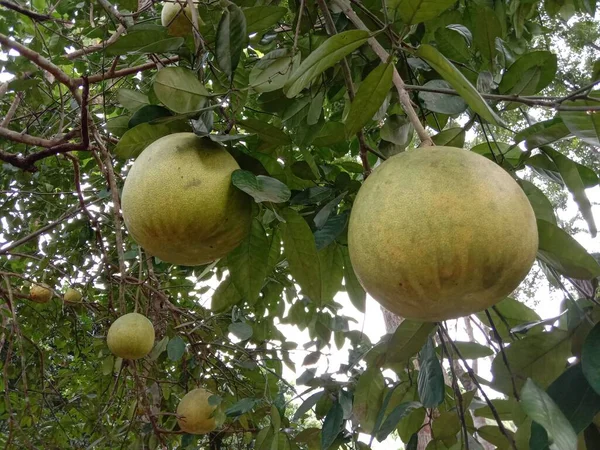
(397, 79)
(43, 63)
(27, 12)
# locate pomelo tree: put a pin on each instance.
(308, 99)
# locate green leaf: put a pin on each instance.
(175, 348)
(398, 130)
(118, 126)
(452, 137)
(431, 377)
(486, 27)
(453, 44)
(301, 253)
(261, 187)
(307, 405)
(540, 356)
(459, 82)
(508, 314)
(180, 90)
(325, 56)
(248, 262)
(529, 74)
(107, 365)
(225, 296)
(468, 350)
(590, 358)
(260, 18)
(331, 263)
(416, 11)
(332, 133)
(369, 98)
(408, 339)
(543, 133)
(559, 250)
(148, 113)
(499, 152)
(131, 99)
(494, 436)
(392, 420)
(583, 124)
(232, 38)
(539, 406)
(138, 138)
(573, 394)
(329, 232)
(241, 407)
(368, 397)
(332, 425)
(354, 289)
(241, 330)
(441, 103)
(265, 131)
(273, 70)
(160, 347)
(144, 41)
(539, 202)
(571, 177)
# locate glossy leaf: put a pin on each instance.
(180, 90)
(583, 124)
(355, 291)
(369, 97)
(543, 133)
(332, 425)
(431, 378)
(459, 82)
(416, 11)
(135, 140)
(590, 358)
(540, 356)
(565, 254)
(148, 113)
(368, 397)
(144, 41)
(392, 420)
(408, 339)
(260, 18)
(175, 348)
(248, 263)
(261, 187)
(539, 202)
(225, 296)
(468, 350)
(241, 330)
(529, 74)
(325, 56)
(539, 406)
(441, 103)
(301, 253)
(451, 137)
(132, 99)
(232, 38)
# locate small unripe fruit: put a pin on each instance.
(195, 413)
(131, 336)
(72, 296)
(40, 293)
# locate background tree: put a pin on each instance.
(308, 97)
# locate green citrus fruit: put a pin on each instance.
(72, 296)
(40, 293)
(179, 204)
(131, 336)
(195, 413)
(177, 19)
(441, 233)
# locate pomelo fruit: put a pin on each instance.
(177, 17)
(131, 336)
(440, 233)
(195, 413)
(72, 296)
(179, 204)
(40, 293)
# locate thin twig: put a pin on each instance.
(13, 108)
(100, 46)
(29, 13)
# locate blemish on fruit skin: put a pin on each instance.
(195, 182)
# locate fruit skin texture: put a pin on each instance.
(72, 296)
(179, 204)
(195, 413)
(440, 233)
(131, 336)
(40, 293)
(178, 23)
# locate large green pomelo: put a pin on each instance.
(179, 204)
(131, 336)
(440, 233)
(195, 413)
(177, 19)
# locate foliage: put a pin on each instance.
(308, 97)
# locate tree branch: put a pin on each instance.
(100, 46)
(397, 79)
(123, 72)
(27, 12)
